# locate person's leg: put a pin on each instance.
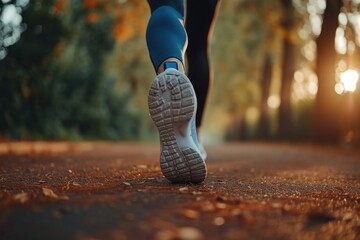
(166, 36)
(199, 25)
(172, 99)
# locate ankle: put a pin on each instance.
(180, 65)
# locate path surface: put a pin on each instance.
(116, 191)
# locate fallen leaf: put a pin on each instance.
(183, 189)
(21, 197)
(192, 214)
(220, 205)
(50, 193)
(347, 216)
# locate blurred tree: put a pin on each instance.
(245, 49)
(25, 87)
(52, 81)
(348, 33)
(264, 123)
(327, 101)
(129, 62)
(287, 70)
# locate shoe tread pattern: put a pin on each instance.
(172, 103)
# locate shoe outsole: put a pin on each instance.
(172, 105)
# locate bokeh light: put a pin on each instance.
(349, 80)
(305, 85)
(273, 101)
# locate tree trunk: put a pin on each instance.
(263, 130)
(287, 72)
(326, 120)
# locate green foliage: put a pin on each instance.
(52, 82)
(25, 86)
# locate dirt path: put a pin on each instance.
(116, 191)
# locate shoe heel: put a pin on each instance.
(181, 166)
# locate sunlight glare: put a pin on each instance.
(3, 53)
(312, 84)
(10, 15)
(316, 23)
(342, 65)
(354, 19)
(351, 47)
(321, 5)
(299, 76)
(22, 3)
(349, 80)
(273, 101)
(339, 88)
(340, 41)
(303, 33)
(315, 9)
(342, 19)
(312, 88)
(309, 50)
(305, 85)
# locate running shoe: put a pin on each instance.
(172, 106)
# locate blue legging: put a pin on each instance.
(167, 38)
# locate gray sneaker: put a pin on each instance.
(172, 106)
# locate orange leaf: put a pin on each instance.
(88, 4)
(58, 7)
(92, 17)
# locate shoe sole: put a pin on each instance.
(172, 105)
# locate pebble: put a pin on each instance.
(183, 233)
(220, 205)
(75, 184)
(141, 166)
(207, 207)
(183, 189)
(218, 221)
(189, 233)
(192, 214)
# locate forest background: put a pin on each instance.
(79, 69)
